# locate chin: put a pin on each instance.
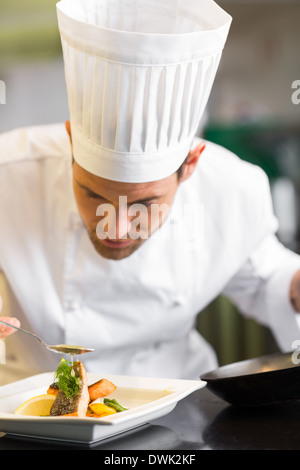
(114, 253)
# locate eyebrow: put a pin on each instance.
(139, 201)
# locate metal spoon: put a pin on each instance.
(59, 348)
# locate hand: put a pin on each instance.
(295, 291)
(6, 330)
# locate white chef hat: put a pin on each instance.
(139, 74)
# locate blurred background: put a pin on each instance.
(250, 112)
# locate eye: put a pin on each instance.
(146, 204)
(92, 195)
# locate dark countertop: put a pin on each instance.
(201, 421)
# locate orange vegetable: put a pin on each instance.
(53, 390)
(100, 389)
(98, 410)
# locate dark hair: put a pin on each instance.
(179, 172)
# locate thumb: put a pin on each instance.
(6, 330)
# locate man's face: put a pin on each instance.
(120, 217)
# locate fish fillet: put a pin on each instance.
(76, 405)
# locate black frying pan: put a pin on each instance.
(266, 380)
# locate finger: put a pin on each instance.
(6, 330)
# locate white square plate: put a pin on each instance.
(145, 398)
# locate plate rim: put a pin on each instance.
(184, 388)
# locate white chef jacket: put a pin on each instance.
(138, 313)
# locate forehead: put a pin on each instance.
(112, 189)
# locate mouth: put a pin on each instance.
(117, 243)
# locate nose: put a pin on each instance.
(122, 222)
(115, 221)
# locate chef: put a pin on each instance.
(120, 226)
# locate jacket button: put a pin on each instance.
(179, 300)
(72, 306)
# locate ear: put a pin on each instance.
(68, 129)
(191, 161)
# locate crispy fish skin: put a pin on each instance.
(76, 405)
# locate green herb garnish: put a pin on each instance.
(66, 378)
